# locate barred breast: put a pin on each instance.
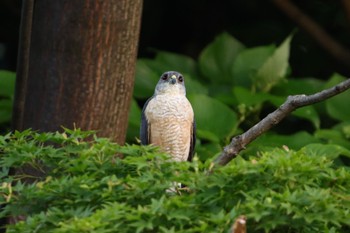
(170, 122)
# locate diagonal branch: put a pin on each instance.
(239, 142)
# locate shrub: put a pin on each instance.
(87, 187)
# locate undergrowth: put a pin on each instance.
(84, 183)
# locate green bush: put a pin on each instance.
(86, 187)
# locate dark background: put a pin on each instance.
(186, 27)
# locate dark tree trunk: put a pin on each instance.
(78, 66)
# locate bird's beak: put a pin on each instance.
(173, 79)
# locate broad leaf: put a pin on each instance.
(333, 136)
(275, 67)
(213, 117)
(298, 86)
(338, 106)
(249, 98)
(309, 113)
(344, 128)
(321, 150)
(176, 62)
(247, 64)
(270, 141)
(217, 59)
(208, 150)
(193, 86)
(146, 79)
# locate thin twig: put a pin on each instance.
(338, 51)
(239, 142)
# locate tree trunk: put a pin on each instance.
(80, 67)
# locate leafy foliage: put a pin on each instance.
(232, 87)
(86, 187)
(81, 184)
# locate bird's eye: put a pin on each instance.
(181, 79)
(165, 77)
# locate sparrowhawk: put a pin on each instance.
(168, 120)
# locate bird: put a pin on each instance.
(167, 118)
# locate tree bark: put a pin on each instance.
(81, 64)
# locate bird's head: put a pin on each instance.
(171, 82)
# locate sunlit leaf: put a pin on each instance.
(274, 68)
(247, 64)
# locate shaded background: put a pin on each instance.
(187, 26)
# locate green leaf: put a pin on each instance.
(333, 136)
(309, 113)
(134, 121)
(298, 86)
(217, 59)
(248, 62)
(275, 67)
(7, 83)
(176, 62)
(330, 151)
(249, 98)
(207, 135)
(213, 116)
(338, 106)
(271, 140)
(5, 110)
(146, 78)
(344, 128)
(208, 150)
(222, 93)
(193, 86)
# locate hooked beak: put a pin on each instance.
(173, 79)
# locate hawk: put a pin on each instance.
(167, 118)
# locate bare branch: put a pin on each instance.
(239, 142)
(338, 51)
